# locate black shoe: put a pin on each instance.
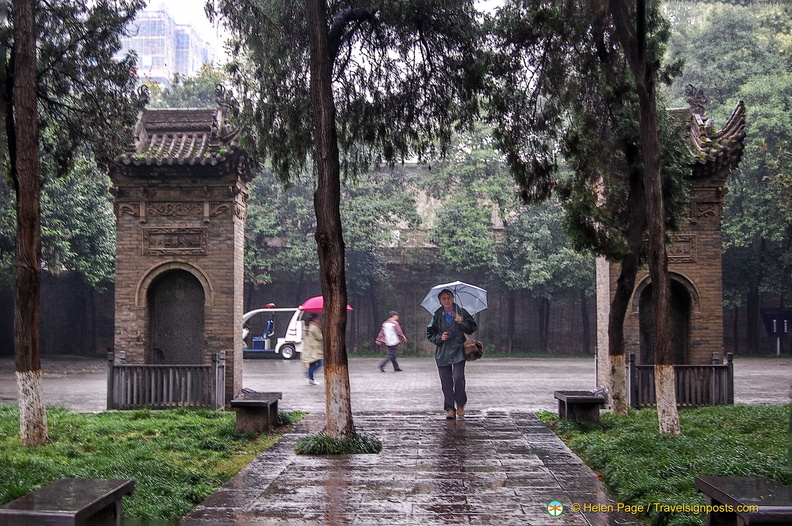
(382, 368)
(397, 370)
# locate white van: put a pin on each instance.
(291, 344)
(287, 346)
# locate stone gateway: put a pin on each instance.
(180, 202)
(694, 255)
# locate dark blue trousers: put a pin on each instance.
(452, 381)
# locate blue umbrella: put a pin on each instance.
(470, 297)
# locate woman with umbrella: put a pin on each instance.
(447, 331)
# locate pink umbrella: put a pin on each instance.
(315, 304)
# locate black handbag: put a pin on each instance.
(474, 349)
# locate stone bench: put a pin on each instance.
(754, 501)
(580, 406)
(256, 412)
(70, 501)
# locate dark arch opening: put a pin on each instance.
(176, 319)
(681, 304)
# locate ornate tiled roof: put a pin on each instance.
(196, 141)
(714, 153)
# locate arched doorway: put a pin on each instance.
(681, 307)
(176, 319)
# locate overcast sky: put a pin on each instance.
(192, 12)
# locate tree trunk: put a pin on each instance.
(645, 77)
(544, 326)
(510, 322)
(585, 322)
(329, 240)
(619, 398)
(752, 319)
(735, 331)
(625, 285)
(25, 172)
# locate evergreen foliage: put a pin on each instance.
(85, 94)
(643, 468)
(735, 53)
(87, 104)
(564, 92)
(405, 75)
(176, 457)
(197, 91)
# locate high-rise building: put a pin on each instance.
(164, 47)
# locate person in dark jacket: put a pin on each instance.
(447, 331)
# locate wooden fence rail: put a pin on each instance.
(696, 385)
(133, 386)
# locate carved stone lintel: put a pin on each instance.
(713, 195)
(175, 241)
(175, 209)
(703, 211)
(218, 209)
(130, 209)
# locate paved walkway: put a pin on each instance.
(500, 465)
(493, 467)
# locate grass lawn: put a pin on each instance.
(177, 457)
(642, 467)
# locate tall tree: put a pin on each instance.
(381, 82)
(74, 85)
(567, 86)
(463, 233)
(196, 91)
(281, 220)
(279, 226)
(537, 257)
(632, 32)
(23, 126)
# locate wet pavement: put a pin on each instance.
(500, 465)
(525, 384)
(493, 467)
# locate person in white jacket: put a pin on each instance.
(391, 335)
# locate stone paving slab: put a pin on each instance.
(493, 467)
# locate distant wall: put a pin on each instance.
(74, 318)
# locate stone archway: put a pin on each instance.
(180, 194)
(694, 252)
(683, 301)
(176, 319)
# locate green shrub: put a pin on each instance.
(321, 444)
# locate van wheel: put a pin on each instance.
(287, 351)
